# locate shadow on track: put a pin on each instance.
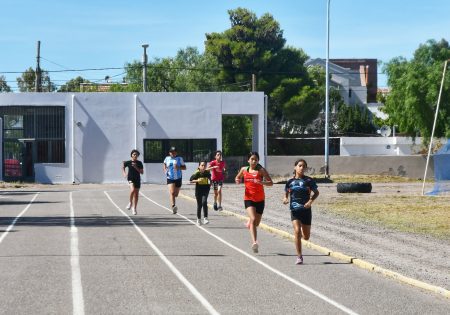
(25, 202)
(95, 221)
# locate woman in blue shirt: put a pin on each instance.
(299, 189)
(172, 166)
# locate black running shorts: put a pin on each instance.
(136, 183)
(304, 216)
(216, 184)
(259, 206)
(177, 182)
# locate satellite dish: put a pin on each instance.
(385, 131)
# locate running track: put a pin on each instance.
(76, 250)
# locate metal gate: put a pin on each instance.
(31, 134)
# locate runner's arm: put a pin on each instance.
(123, 169)
(312, 198)
(238, 177)
(266, 178)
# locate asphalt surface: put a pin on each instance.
(76, 250)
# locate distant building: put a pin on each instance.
(98, 87)
(375, 108)
(355, 79)
(384, 91)
(367, 70)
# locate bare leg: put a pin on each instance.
(136, 197)
(216, 194)
(300, 231)
(176, 191)
(306, 231)
(172, 193)
(219, 195)
(254, 219)
(298, 236)
(131, 193)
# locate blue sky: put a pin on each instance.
(102, 34)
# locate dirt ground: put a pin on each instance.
(418, 256)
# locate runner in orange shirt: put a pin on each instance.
(255, 178)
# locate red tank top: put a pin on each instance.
(253, 190)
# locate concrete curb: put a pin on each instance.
(352, 260)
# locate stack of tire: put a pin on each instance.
(354, 187)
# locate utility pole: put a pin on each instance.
(253, 82)
(144, 68)
(37, 86)
(327, 91)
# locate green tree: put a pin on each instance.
(188, 71)
(299, 104)
(256, 46)
(73, 85)
(354, 119)
(4, 87)
(248, 47)
(26, 82)
(196, 72)
(415, 86)
(236, 138)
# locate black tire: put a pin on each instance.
(354, 187)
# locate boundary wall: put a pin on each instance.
(405, 166)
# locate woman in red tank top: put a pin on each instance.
(255, 178)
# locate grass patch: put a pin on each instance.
(416, 214)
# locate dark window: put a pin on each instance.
(50, 151)
(44, 124)
(191, 150)
(153, 150)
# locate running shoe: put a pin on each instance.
(133, 210)
(299, 260)
(199, 222)
(174, 209)
(128, 207)
(219, 208)
(205, 220)
(215, 206)
(255, 247)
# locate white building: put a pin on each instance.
(84, 137)
(366, 146)
(348, 82)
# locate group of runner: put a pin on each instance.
(300, 190)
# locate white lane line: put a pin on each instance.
(17, 218)
(294, 281)
(77, 288)
(172, 268)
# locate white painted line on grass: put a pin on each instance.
(290, 279)
(17, 218)
(77, 288)
(169, 264)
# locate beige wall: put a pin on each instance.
(406, 166)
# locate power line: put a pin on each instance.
(184, 68)
(66, 68)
